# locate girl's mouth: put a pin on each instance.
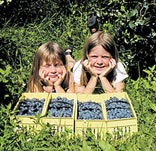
(53, 75)
(99, 67)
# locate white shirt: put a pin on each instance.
(121, 73)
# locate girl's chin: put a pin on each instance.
(53, 79)
(99, 71)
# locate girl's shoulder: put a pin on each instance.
(77, 66)
(120, 67)
(120, 72)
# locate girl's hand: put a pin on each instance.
(44, 81)
(112, 64)
(48, 89)
(88, 68)
(61, 77)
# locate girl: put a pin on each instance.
(99, 71)
(49, 72)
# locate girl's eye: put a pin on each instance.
(47, 65)
(58, 64)
(93, 57)
(106, 57)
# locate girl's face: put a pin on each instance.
(52, 70)
(99, 59)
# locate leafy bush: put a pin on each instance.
(131, 22)
(27, 24)
(18, 45)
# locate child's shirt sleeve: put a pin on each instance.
(77, 70)
(121, 73)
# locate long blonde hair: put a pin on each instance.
(49, 51)
(107, 42)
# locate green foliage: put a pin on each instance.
(27, 24)
(18, 45)
(30, 23)
(142, 94)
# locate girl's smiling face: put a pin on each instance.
(99, 58)
(52, 70)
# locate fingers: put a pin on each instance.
(87, 66)
(112, 63)
(43, 80)
(42, 83)
(60, 78)
(48, 89)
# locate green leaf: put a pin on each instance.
(86, 147)
(153, 107)
(131, 24)
(123, 8)
(106, 146)
(133, 12)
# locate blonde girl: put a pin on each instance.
(49, 70)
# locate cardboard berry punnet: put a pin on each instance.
(100, 113)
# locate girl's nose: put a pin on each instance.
(52, 69)
(100, 60)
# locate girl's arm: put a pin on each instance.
(91, 85)
(59, 89)
(109, 88)
(89, 88)
(54, 88)
(71, 88)
(106, 85)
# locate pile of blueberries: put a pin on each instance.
(60, 107)
(117, 108)
(89, 110)
(30, 107)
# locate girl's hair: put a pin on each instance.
(49, 52)
(107, 42)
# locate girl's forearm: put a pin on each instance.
(106, 85)
(59, 89)
(91, 85)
